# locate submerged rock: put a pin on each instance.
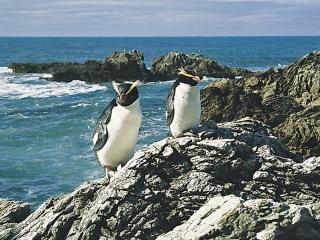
(162, 186)
(282, 98)
(165, 67)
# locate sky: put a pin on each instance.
(159, 17)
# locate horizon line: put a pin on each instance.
(155, 36)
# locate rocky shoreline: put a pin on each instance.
(130, 66)
(233, 180)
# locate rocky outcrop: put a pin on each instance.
(300, 80)
(119, 65)
(162, 188)
(231, 217)
(286, 99)
(165, 67)
(130, 66)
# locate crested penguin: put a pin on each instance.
(183, 106)
(116, 132)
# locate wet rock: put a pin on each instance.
(162, 186)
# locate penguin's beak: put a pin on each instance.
(122, 98)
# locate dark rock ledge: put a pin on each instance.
(130, 66)
(231, 181)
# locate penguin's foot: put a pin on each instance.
(109, 172)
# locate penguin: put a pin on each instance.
(116, 133)
(183, 107)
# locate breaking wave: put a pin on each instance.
(19, 86)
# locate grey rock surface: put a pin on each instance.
(230, 217)
(11, 213)
(162, 186)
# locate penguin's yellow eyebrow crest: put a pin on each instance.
(115, 87)
(133, 86)
(184, 73)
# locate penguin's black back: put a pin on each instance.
(170, 103)
(101, 126)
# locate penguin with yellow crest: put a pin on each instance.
(116, 132)
(183, 106)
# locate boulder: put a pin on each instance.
(164, 186)
(165, 67)
(126, 65)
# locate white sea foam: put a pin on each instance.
(18, 86)
(47, 75)
(5, 70)
(80, 105)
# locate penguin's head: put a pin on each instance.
(126, 93)
(188, 77)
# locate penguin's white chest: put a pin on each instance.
(123, 131)
(187, 109)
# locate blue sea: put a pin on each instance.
(46, 127)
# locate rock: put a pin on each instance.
(162, 186)
(126, 66)
(130, 66)
(300, 80)
(278, 97)
(227, 100)
(231, 217)
(301, 131)
(165, 67)
(13, 211)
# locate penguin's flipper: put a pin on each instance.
(101, 130)
(170, 103)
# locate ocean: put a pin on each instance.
(46, 127)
